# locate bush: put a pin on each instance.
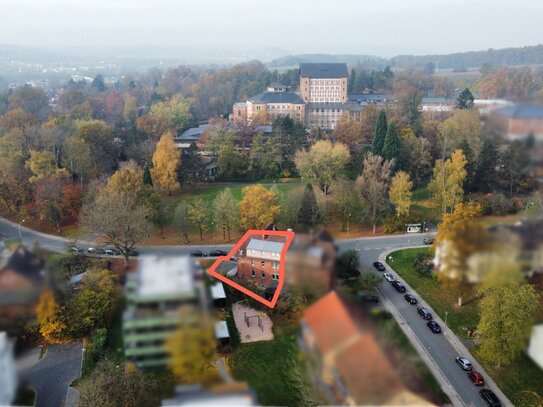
(423, 264)
(96, 350)
(500, 205)
(347, 265)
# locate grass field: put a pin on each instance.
(522, 381)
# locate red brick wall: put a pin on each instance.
(245, 268)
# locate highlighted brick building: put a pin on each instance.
(259, 261)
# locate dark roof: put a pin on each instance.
(26, 264)
(522, 111)
(323, 70)
(193, 133)
(277, 97)
(277, 85)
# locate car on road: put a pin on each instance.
(217, 253)
(95, 250)
(368, 297)
(389, 277)
(133, 252)
(429, 240)
(476, 378)
(434, 327)
(112, 252)
(424, 313)
(379, 266)
(75, 249)
(410, 298)
(464, 363)
(398, 286)
(490, 398)
(197, 253)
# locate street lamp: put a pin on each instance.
(446, 315)
(20, 223)
(348, 223)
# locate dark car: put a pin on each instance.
(95, 250)
(424, 313)
(428, 240)
(217, 253)
(112, 252)
(476, 378)
(490, 398)
(398, 286)
(434, 327)
(368, 297)
(197, 253)
(410, 298)
(379, 266)
(133, 253)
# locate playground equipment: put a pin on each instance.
(248, 320)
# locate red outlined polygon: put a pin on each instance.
(289, 237)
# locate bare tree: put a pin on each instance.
(373, 185)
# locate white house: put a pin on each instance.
(535, 349)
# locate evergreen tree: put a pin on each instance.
(380, 133)
(309, 210)
(352, 80)
(392, 146)
(147, 179)
(469, 183)
(465, 100)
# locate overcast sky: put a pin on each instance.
(379, 27)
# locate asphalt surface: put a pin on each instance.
(52, 375)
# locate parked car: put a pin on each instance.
(368, 297)
(476, 378)
(197, 253)
(490, 398)
(112, 252)
(434, 327)
(389, 277)
(217, 253)
(95, 250)
(464, 363)
(133, 253)
(379, 266)
(410, 298)
(429, 240)
(424, 313)
(398, 286)
(75, 249)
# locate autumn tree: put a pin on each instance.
(417, 156)
(258, 207)
(349, 132)
(42, 164)
(32, 100)
(448, 180)
(173, 115)
(98, 135)
(166, 160)
(380, 133)
(50, 319)
(462, 125)
(120, 220)
(128, 179)
(323, 163)
(401, 190)
(225, 211)
(77, 158)
(507, 315)
(370, 281)
(181, 219)
(193, 348)
(198, 214)
(345, 204)
(373, 184)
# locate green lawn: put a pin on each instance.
(458, 319)
(274, 369)
(421, 204)
(522, 381)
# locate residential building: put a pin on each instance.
(276, 103)
(8, 377)
(259, 261)
(517, 122)
(311, 261)
(347, 361)
(154, 294)
(227, 394)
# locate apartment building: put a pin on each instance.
(259, 262)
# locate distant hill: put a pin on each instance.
(295, 60)
(529, 55)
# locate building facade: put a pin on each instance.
(259, 262)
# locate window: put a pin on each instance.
(275, 265)
(263, 275)
(252, 263)
(252, 273)
(275, 276)
(263, 263)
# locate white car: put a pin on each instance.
(389, 277)
(464, 363)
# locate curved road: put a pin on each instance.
(438, 351)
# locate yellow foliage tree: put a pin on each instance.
(193, 349)
(258, 207)
(128, 179)
(448, 180)
(400, 193)
(166, 160)
(48, 315)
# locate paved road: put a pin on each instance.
(54, 373)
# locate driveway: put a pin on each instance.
(52, 376)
